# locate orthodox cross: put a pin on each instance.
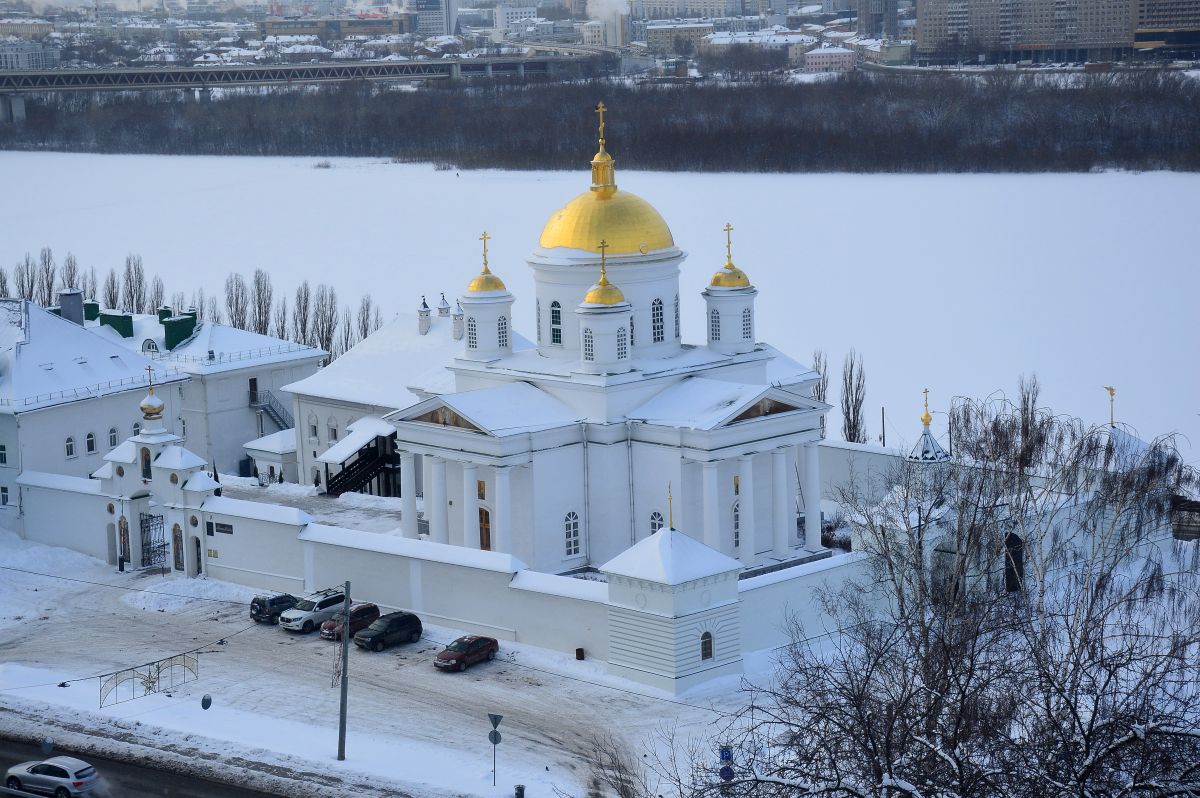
(728, 242)
(150, 376)
(1112, 413)
(670, 509)
(603, 258)
(926, 392)
(484, 238)
(600, 109)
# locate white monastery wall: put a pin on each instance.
(556, 492)
(54, 516)
(771, 602)
(610, 532)
(263, 554)
(842, 463)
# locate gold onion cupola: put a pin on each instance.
(152, 406)
(730, 276)
(629, 224)
(485, 281)
(603, 292)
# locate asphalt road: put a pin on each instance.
(123, 780)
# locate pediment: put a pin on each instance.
(446, 417)
(765, 406)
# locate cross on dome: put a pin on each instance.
(600, 109)
(604, 292)
(730, 276)
(926, 419)
(485, 280)
(152, 406)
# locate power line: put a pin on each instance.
(121, 587)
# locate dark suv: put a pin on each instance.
(395, 627)
(267, 609)
(361, 616)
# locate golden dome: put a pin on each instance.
(152, 407)
(485, 280)
(629, 223)
(603, 292)
(730, 276)
(926, 419)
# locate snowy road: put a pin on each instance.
(274, 713)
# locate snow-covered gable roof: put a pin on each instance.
(46, 360)
(178, 457)
(670, 557)
(360, 433)
(258, 511)
(126, 452)
(704, 403)
(42, 479)
(510, 409)
(282, 442)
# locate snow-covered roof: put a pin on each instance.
(359, 434)
(282, 442)
(259, 511)
(417, 549)
(42, 479)
(698, 403)
(46, 360)
(126, 452)
(201, 482)
(178, 457)
(510, 409)
(928, 450)
(555, 585)
(830, 51)
(103, 472)
(670, 557)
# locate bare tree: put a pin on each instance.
(213, 315)
(112, 290)
(365, 310)
(91, 286)
(3, 282)
(70, 272)
(157, 296)
(133, 285)
(324, 317)
(237, 301)
(261, 295)
(25, 278)
(376, 320)
(47, 278)
(821, 366)
(302, 315)
(179, 301)
(200, 303)
(854, 391)
(279, 319)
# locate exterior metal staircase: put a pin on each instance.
(272, 408)
(369, 465)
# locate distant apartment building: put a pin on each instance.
(23, 54)
(1168, 26)
(593, 33)
(829, 59)
(1025, 30)
(681, 38)
(675, 9)
(435, 17)
(513, 17)
(878, 19)
(792, 43)
(25, 28)
(327, 28)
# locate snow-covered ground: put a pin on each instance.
(273, 720)
(958, 283)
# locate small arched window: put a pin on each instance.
(657, 330)
(183, 427)
(556, 323)
(571, 533)
(622, 344)
(656, 521)
(472, 333)
(747, 324)
(589, 347)
(149, 347)
(137, 428)
(714, 325)
(677, 335)
(737, 524)
(90, 443)
(112, 437)
(502, 332)
(706, 646)
(538, 312)
(145, 463)
(70, 447)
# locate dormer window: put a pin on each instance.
(149, 347)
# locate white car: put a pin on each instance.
(60, 776)
(313, 610)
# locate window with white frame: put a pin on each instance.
(737, 524)
(70, 447)
(472, 334)
(3, 454)
(589, 347)
(714, 325)
(556, 323)
(112, 437)
(706, 646)
(89, 443)
(657, 327)
(4, 496)
(747, 324)
(571, 533)
(622, 344)
(502, 332)
(137, 428)
(656, 521)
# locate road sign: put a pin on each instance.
(726, 753)
(495, 719)
(726, 773)
(494, 737)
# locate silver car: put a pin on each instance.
(60, 776)
(313, 610)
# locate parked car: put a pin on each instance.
(313, 610)
(60, 776)
(387, 630)
(466, 650)
(361, 616)
(267, 609)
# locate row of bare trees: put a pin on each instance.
(854, 392)
(314, 318)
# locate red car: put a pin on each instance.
(361, 616)
(466, 650)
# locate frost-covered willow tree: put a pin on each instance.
(1025, 624)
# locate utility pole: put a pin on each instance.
(345, 673)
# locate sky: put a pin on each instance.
(956, 283)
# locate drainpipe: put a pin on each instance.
(629, 471)
(587, 496)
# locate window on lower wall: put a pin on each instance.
(224, 529)
(3, 454)
(3, 497)
(706, 646)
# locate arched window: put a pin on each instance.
(656, 521)
(589, 347)
(502, 332)
(538, 312)
(556, 323)
(182, 427)
(1014, 563)
(677, 335)
(145, 463)
(657, 331)
(714, 325)
(747, 324)
(622, 344)
(70, 447)
(706, 646)
(571, 533)
(90, 443)
(149, 347)
(112, 437)
(472, 333)
(137, 428)
(333, 429)
(737, 524)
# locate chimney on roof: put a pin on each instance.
(423, 321)
(91, 310)
(443, 306)
(457, 329)
(165, 313)
(70, 303)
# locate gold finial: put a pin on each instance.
(1112, 410)
(604, 292)
(600, 109)
(484, 238)
(670, 508)
(603, 176)
(728, 246)
(926, 419)
(603, 262)
(730, 276)
(485, 280)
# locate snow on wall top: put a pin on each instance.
(258, 511)
(670, 557)
(565, 586)
(282, 442)
(417, 549)
(46, 360)
(42, 479)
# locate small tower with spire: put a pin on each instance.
(487, 307)
(928, 450)
(604, 325)
(423, 320)
(729, 306)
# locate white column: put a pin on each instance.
(746, 519)
(470, 508)
(712, 508)
(502, 523)
(782, 530)
(812, 497)
(435, 505)
(408, 495)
